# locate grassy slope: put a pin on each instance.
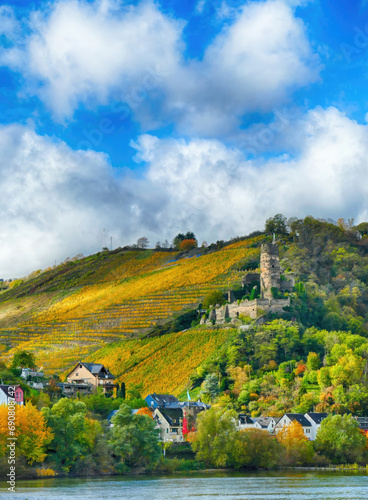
(72, 311)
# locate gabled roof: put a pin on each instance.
(264, 422)
(169, 414)
(299, 417)
(163, 399)
(95, 369)
(317, 417)
(5, 389)
(245, 419)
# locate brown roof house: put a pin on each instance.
(92, 375)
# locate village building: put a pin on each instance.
(288, 418)
(156, 400)
(315, 419)
(10, 392)
(88, 377)
(169, 413)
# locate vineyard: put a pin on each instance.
(71, 311)
(162, 364)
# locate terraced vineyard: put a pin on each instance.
(162, 364)
(67, 313)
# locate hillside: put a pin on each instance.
(67, 313)
(108, 308)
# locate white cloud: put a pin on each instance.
(250, 66)
(218, 193)
(56, 201)
(8, 21)
(82, 52)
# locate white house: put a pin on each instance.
(315, 419)
(288, 418)
(170, 423)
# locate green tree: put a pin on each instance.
(210, 387)
(74, 433)
(134, 440)
(340, 440)
(313, 361)
(216, 436)
(23, 359)
(213, 298)
(276, 224)
(255, 448)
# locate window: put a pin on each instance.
(174, 431)
(167, 431)
(307, 431)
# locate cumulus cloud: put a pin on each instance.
(56, 201)
(250, 66)
(220, 193)
(82, 52)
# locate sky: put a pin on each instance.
(123, 119)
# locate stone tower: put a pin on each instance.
(270, 269)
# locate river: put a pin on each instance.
(219, 486)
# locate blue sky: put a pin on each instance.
(153, 118)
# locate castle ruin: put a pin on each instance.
(270, 283)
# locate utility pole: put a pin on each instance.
(111, 243)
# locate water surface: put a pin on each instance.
(219, 486)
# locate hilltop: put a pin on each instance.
(108, 306)
(67, 313)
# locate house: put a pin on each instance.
(245, 421)
(169, 413)
(93, 374)
(315, 419)
(288, 418)
(160, 400)
(10, 392)
(363, 424)
(265, 423)
(170, 423)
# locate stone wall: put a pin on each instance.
(251, 308)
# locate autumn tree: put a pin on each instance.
(181, 237)
(299, 450)
(186, 245)
(31, 432)
(145, 411)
